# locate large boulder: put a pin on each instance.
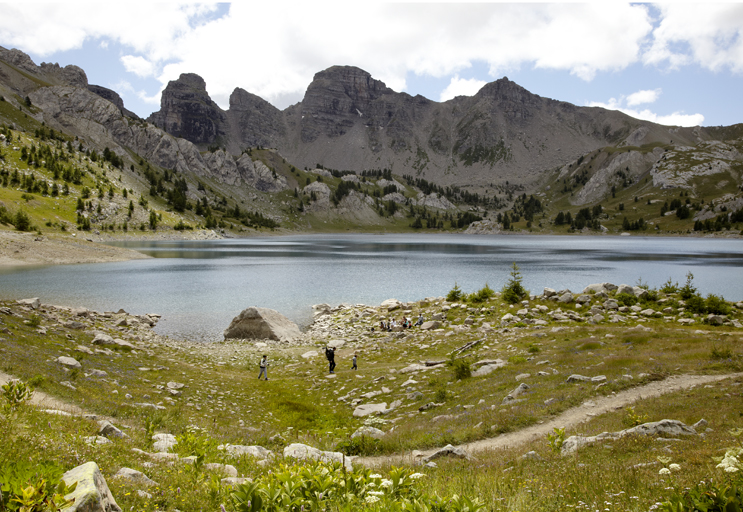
(304, 452)
(92, 493)
(367, 409)
(262, 323)
(365, 431)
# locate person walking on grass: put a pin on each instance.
(330, 354)
(354, 367)
(264, 368)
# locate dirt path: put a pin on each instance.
(44, 401)
(567, 419)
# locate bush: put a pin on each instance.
(695, 304)
(461, 368)
(514, 291)
(441, 395)
(482, 295)
(717, 305)
(22, 221)
(625, 299)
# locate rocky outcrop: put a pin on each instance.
(262, 323)
(187, 111)
(113, 97)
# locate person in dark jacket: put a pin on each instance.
(330, 354)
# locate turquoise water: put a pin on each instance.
(199, 287)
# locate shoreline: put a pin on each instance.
(22, 249)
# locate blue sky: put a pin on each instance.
(677, 63)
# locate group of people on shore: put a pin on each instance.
(404, 323)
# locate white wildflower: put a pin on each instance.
(731, 469)
(375, 475)
(416, 476)
(386, 483)
(371, 499)
(664, 471)
(674, 467)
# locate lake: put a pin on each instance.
(199, 286)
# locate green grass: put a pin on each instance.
(224, 400)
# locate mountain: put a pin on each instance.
(348, 120)
(355, 154)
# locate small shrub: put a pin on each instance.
(669, 287)
(36, 381)
(696, 304)
(441, 395)
(513, 291)
(625, 299)
(482, 295)
(633, 418)
(650, 296)
(717, 305)
(688, 290)
(516, 359)
(455, 294)
(34, 321)
(15, 394)
(556, 439)
(461, 368)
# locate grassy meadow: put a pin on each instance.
(223, 403)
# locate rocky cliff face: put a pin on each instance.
(349, 120)
(254, 122)
(187, 111)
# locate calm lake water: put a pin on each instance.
(199, 287)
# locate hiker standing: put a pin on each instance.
(354, 367)
(264, 368)
(330, 354)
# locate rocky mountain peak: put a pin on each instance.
(187, 111)
(504, 89)
(240, 99)
(350, 81)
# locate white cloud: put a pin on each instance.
(390, 40)
(461, 87)
(138, 65)
(648, 96)
(642, 97)
(707, 34)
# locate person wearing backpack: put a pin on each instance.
(330, 354)
(264, 368)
